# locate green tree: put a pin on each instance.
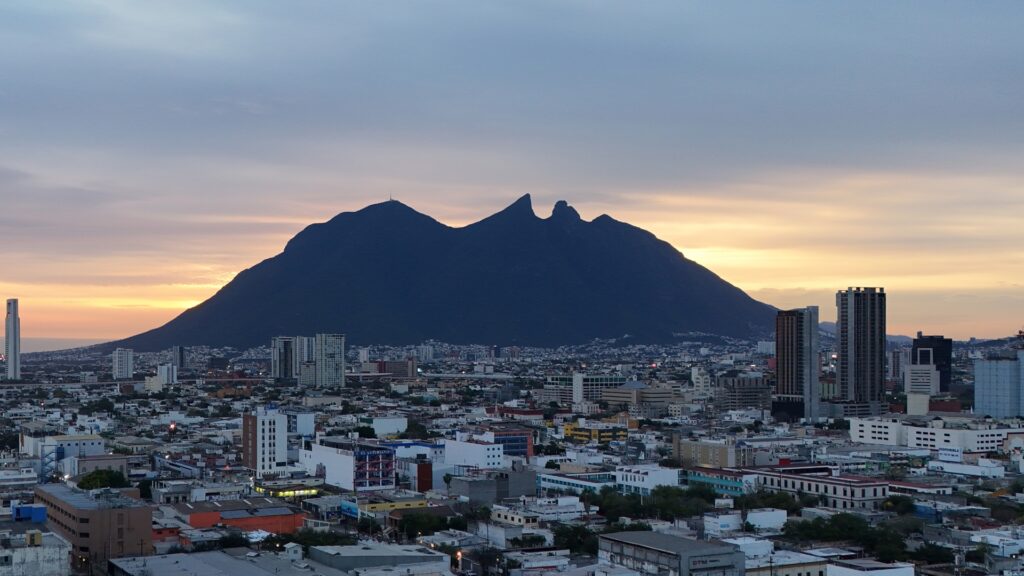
(103, 479)
(365, 431)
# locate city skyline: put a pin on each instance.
(151, 154)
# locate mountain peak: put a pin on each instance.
(390, 274)
(564, 213)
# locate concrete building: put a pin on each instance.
(579, 387)
(123, 360)
(488, 486)
(167, 374)
(268, 514)
(969, 435)
(98, 525)
(642, 479)
(921, 379)
(861, 346)
(349, 464)
(869, 567)
(12, 340)
(712, 453)
(652, 553)
(833, 490)
(33, 552)
(742, 391)
(797, 360)
(998, 385)
(265, 441)
(330, 360)
(702, 383)
(474, 453)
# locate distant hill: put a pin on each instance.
(388, 274)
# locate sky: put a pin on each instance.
(149, 151)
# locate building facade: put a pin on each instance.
(861, 346)
(123, 363)
(998, 384)
(12, 340)
(330, 360)
(265, 441)
(797, 359)
(937, 351)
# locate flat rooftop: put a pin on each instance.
(83, 500)
(667, 543)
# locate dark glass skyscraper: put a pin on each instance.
(937, 350)
(796, 353)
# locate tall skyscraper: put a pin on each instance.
(330, 360)
(265, 441)
(797, 359)
(123, 363)
(860, 345)
(936, 350)
(179, 357)
(283, 365)
(12, 340)
(999, 386)
(305, 350)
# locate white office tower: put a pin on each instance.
(425, 353)
(364, 355)
(330, 360)
(124, 364)
(265, 441)
(12, 340)
(167, 373)
(282, 358)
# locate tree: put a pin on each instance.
(486, 558)
(146, 489)
(551, 465)
(899, 504)
(365, 431)
(103, 479)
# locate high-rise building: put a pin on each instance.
(124, 363)
(921, 379)
(167, 373)
(860, 345)
(265, 441)
(797, 359)
(305, 349)
(935, 350)
(179, 357)
(282, 358)
(999, 386)
(330, 360)
(12, 340)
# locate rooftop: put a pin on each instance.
(96, 500)
(666, 542)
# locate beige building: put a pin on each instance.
(711, 453)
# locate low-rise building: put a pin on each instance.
(655, 554)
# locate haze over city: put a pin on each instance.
(152, 151)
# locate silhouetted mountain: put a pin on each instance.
(388, 274)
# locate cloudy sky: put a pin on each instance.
(151, 150)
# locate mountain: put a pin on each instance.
(388, 274)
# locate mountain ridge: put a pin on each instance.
(389, 274)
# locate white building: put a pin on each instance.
(476, 453)
(384, 426)
(643, 479)
(718, 524)
(921, 379)
(702, 387)
(167, 373)
(969, 435)
(12, 340)
(350, 464)
(36, 553)
(832, 489)
(330, 360)
(770, 519)
(265, 441)
(123, 363)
